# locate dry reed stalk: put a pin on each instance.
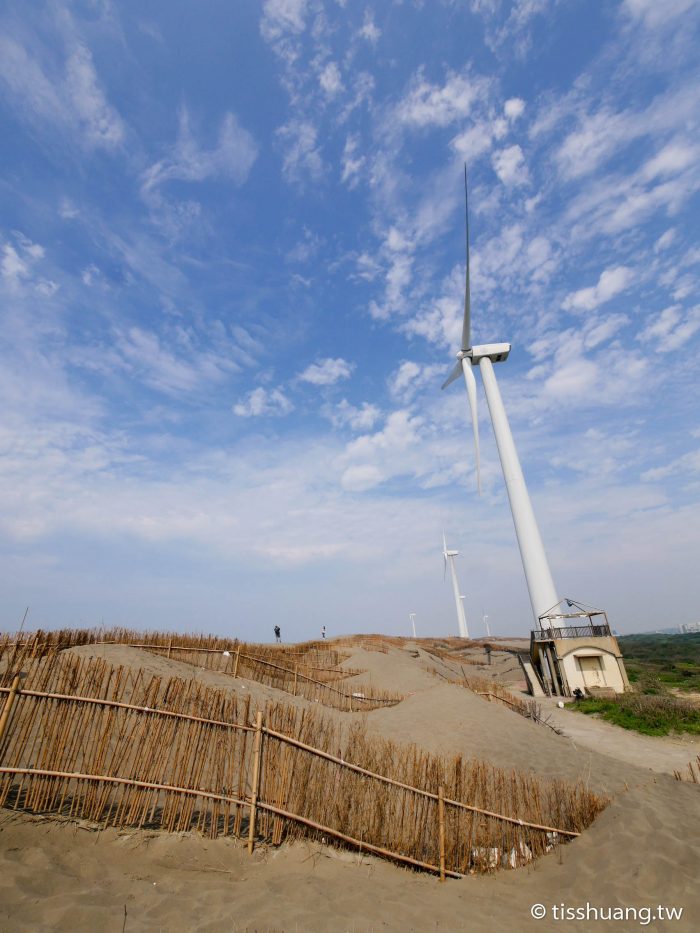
(257, 743)
(692, 776)
(441, 820)
(9, 702)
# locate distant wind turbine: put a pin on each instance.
(449, 556)
(412, 617)
(543, 595)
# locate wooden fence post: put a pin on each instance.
(257, 744)
(238, 658)
(296, 672)
(8, 705)
(170, 645)
(441, 820)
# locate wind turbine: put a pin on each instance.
(461, 618)
(543, 595)
(412, 618)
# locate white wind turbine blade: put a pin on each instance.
(444, 556)
(466, 322)
(455, 374)
(470, 382)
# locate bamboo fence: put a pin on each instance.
(316, 655)
(82, 738)
(295, 680)
(300, 677)
(491, 690)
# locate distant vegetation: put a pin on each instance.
(657, 663)
(657, 666)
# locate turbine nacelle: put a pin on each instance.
(496, 352)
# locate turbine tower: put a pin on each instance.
(449, 556)
(543, 595)
(412, 618)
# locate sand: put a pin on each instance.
(643, 851)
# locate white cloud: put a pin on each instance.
(473, 142)
(90, 274)
(572, 380)
(281, 17)
(232, 157)
(512, 32)
(12, 266)
(327, 372)
(687, 463)
(611, 282)
(306, 248)
(514, 108)
(47, 287)
(361, 477)
(302, 155)
(16, 263)
(72, 100)
(352, 162)
(33, 250)
(39, 95)
(672, 159)
(103, 125)
(330, 80)
(403, 377)
(358, 417)
(370, 31)
(429, 104)
(671, 328)
(509, 165)
(609, 378)
(597, 136)
(665, 240)
(67, 210)
(373, 458)
(411, 376)
(598, 331)
(263, 402)
(367, 267)
(440, 321)
(653, 13)
(174, 362)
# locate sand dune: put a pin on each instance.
(643, 851)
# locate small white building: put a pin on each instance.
(577, 650)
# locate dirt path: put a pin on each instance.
(662, 754)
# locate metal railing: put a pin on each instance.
(571, 631)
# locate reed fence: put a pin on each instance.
(300, 678)
(315, 655)
(491, 690)
(83, 738)
(295, 680)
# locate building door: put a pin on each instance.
(592, 670)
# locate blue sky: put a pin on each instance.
(231, 275)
